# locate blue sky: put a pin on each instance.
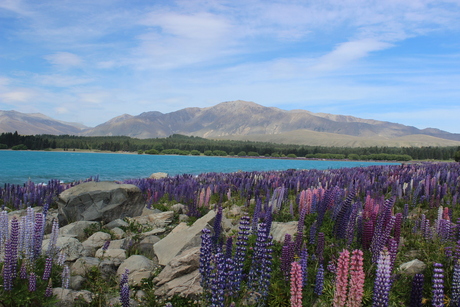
(89, 61)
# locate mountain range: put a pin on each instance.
(242, 120)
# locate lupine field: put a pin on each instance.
(356, 226)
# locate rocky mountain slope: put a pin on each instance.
(35, 123)
(248, 120)
(243, 120)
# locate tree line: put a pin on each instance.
(181, 144)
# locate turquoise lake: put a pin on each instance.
(17, 167)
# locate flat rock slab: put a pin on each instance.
(99, 201)
(177, 241)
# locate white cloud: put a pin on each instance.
(348, 52)
(17, 95)
(64, 59)
(59, 80)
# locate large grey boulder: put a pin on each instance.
(182, 238)
(99, 201)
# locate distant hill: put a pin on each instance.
(243, 120)
(36, 123)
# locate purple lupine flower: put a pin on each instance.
(381, 239)
(416, 294)
(49, 289)
(397, 227)
(382, 282)
(65, 277)
(124, 278)
(300, 226)
(124, 289)
(61, 258)
(320, 247)
(406, 211)
(240, 254)
(456, 285)
(319, 283)
(217, 284)
(313, 229)
(32, 282)
(23, 271)
(259, 274)
(304, 265)
(205, 258)
(38, 234)
(392, 250)
(124, 295)
(216, 240)
(48, 266)
(4, 234)
(53, 239)
(438, 286)
(14, 245)
(106, 245)
(287, 255)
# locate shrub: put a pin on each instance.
(19, 147)
(457, 156)
(291, 155)
(208, 152)
(220, 153)
(253, 154)
(152, 152)
(195, 152)
(3, 146)
(241, 154)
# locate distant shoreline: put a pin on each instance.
(240, 157)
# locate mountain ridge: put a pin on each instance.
(251, 121)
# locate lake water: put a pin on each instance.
(19, 166)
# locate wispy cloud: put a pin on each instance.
(64, 60)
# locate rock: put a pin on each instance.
(77, 229)
(99, 201)
(108, 268)
(183, 218)
(145, 246)
(118, 233)
(76, 282)
(139, 267)
(279, 230)
(155, 219)
(178, 208)
(185, 238)
(67, 297)
(412, 267)
(186, 286)
(158, 175)
(187, 262)
(71, 246)
(116, 255)
(83, 265)
(116, 223)
(95, 241)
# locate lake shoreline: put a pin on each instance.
(240, 157)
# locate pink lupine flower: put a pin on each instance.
(355, 294)
(296, 285)
(341, 281)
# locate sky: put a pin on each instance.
(90, 61)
